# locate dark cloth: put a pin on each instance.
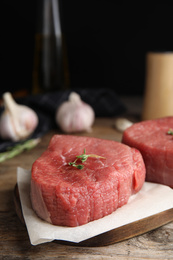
(105, 103)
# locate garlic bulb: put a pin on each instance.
(75, 115)
(122, 124)
(17, 122)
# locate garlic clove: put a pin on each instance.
(6, 127)
(75, 115)
(17, 122)
(121, 124)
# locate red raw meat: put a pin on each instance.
(151, 138)
(64, 195)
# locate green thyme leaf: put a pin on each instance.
(79, 166)
(170, 132)
(83, 156)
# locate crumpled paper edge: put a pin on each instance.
(150, 200)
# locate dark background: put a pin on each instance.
(106, 42)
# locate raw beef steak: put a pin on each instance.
(151, 138)
(65, 195)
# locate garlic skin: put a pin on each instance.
(17, 122)
(121, 124)
(75, 115)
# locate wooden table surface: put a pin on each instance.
(14, 240)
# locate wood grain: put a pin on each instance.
(14, 240)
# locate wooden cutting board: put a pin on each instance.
(116, 235)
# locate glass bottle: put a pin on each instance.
(48, 67)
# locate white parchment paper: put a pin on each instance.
(150, 200)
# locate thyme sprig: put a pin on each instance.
(18, 148)
(170, 132)
(83, 157)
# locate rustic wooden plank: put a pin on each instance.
(14, 244)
